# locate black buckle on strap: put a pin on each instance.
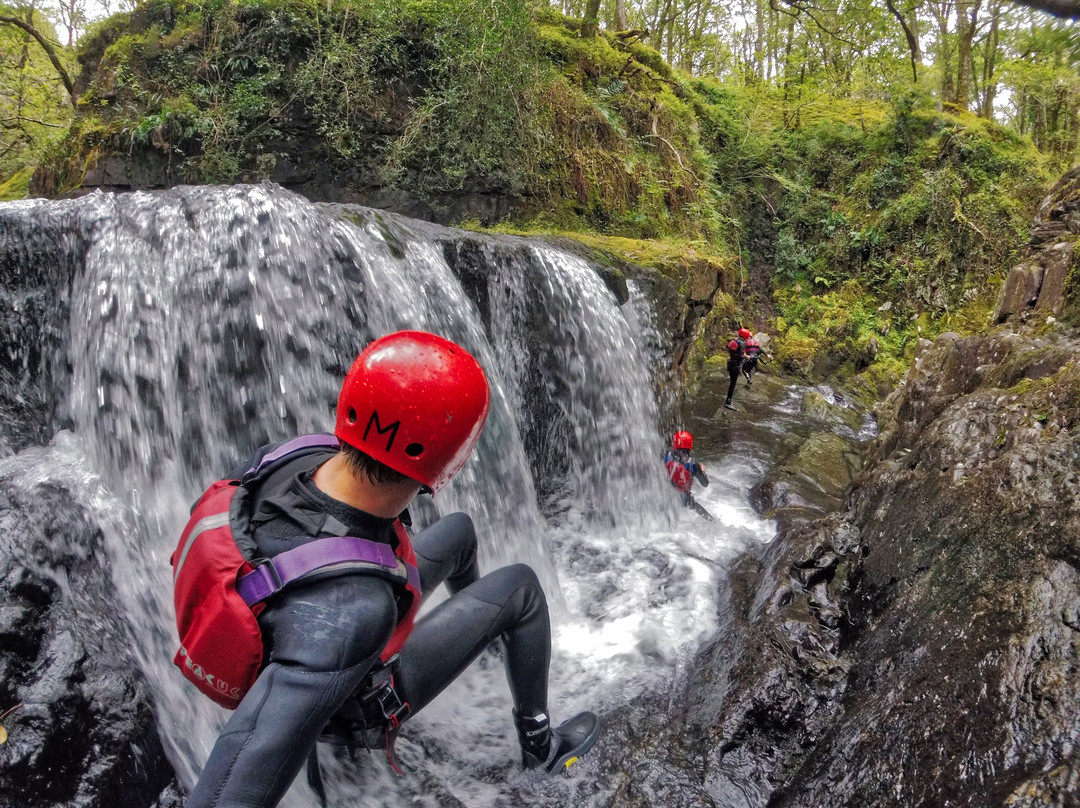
(382, 697)
(382, 701)
(267, 567)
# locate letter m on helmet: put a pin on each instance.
(392, 429)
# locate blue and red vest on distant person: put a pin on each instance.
(680, 474)
(219, 593)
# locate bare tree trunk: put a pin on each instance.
(73, 16)
(759, 33)
(589, 24)
(620, 16)
(695, 39)
(967, 16)
(912, 41)
(989, 80)
(662, 22)
(942, 11)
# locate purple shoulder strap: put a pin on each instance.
(337, 553)
(295, 445)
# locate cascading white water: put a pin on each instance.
(206, 322)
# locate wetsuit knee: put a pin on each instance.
(461, 527)
(330, 625)
(508, 602)
(446, 551)
(515, 585)
(462, 524)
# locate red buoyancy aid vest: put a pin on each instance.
(221, 647)
(679, 475)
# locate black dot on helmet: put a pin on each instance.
(351, 415)
(414, 450)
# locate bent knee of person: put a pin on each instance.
(460, 540)
(517, 577)
(462, 525)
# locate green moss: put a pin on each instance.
(17, 186)
(1071, 311)
(885, 222)
(795, 352)
(676, 259)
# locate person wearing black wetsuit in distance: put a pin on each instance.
(736, 348)
(342, 658)
(752, 355)
(683, 469)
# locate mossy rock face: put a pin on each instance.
(1045, 280)
(817, 406)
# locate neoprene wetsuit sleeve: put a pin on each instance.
(700, 475)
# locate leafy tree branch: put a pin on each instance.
(50, 51)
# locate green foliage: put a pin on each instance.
(35, 109)
(921, 211)
(622, 142)
(838, 332)
(442, 88)
(476, 117)
(857, 213)
(18, 186)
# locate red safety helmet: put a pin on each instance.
(415, 402)
(682, 440)
(744, 333)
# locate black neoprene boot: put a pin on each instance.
(559, 748)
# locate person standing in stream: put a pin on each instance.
(752, 355)
(683, 469)
(297, 585)
(736, 348)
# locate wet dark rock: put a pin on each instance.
(34, 278)
(1038, 282)
(811, 441)
(917, 646)
(84, 735)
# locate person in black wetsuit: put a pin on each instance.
(736, 348)
(410, 411)
(752, 355)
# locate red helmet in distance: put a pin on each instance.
(415, 402)
(744, 333)
(682, 440)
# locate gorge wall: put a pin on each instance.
(920, 646)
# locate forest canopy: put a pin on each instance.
(1009, 61)
(869, 167)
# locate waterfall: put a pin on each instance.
(204, 322)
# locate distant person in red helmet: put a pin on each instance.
(683, 469)
(297, 585)
(736, 348)
(753, 354)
